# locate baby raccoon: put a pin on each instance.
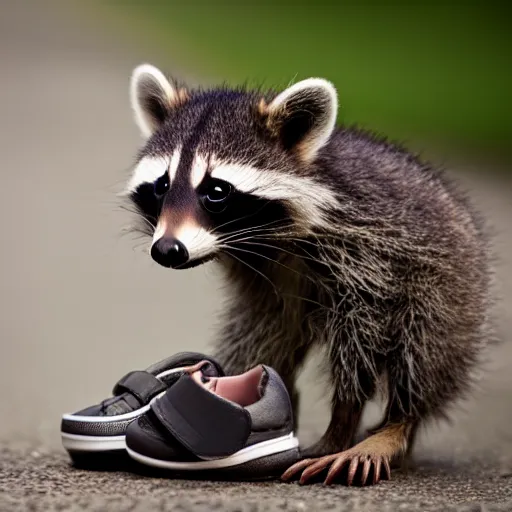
(329, 237)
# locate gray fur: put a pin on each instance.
(394, 283)
(408, 295)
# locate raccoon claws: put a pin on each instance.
(351, 467)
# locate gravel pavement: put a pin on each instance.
(82, 305)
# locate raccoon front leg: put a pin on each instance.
(353, 385)
(370, 461)
(340, 434)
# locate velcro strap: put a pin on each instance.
(142, 385)
(202, 422)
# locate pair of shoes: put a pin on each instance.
(185, 416)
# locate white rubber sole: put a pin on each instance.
(77, 443)
(256, 451)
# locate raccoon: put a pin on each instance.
(328, 237)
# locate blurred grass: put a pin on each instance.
(414, 71)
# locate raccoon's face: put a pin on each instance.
(228, 170)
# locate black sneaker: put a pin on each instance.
(240, 426)
(102, 428)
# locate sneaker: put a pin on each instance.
(237, 426)
(102, 428)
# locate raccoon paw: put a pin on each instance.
(351, 467)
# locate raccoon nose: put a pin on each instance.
(169, 252)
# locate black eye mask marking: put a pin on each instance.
(146, 202)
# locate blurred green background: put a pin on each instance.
(435, 74)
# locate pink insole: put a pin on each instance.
(242, 389)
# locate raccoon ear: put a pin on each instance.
(303, 116)
(152, 97)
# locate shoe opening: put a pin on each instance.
(244, 389)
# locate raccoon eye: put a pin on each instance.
(162, 185)
(216, 195)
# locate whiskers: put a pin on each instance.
(144, 225)
(273, 235)
(274, 227)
